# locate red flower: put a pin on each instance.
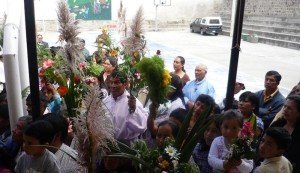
(76, 79)
(42, 73)
(246, 131)
(47, 64)
(82, 66)
(62, 90)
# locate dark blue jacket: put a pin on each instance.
(268, 110)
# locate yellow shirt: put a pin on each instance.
(267, 98)
(275, 165)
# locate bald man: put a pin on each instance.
(198, 86)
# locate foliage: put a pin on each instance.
(156, 78)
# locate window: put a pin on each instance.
(214, 21)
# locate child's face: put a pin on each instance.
(211, 133)
(268, 148)
(32, 150)
(162, 133)
(17, 135)
(230, 129)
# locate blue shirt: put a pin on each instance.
(194, 88)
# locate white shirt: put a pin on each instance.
(128, 126)
(218, 153)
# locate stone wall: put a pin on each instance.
(267, 8)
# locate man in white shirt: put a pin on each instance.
(128, 115)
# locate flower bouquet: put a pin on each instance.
(242, 146)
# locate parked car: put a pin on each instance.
(207, 25)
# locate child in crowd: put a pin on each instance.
(201, 150)
(231, 126)
(272, 146)
(166, 129)
(37, 158)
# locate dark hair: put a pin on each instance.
(82, 40)
(182, 61)
(214, 119)
(233, 115)
(275, 74)
(281, 136)
(177, 83)
(179, 114)
(59, 123)
(216, 109)
(251, 97)
(174, 127)
(42, 97)
(113, 61)
(207, 100)
(296, 99)
(119, 74)
(4, 113)
(293, 91)
(41, 130)
(26, 119)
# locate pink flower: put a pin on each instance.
(82, 65)
(138, 75)
(47, 64)
(247, 130)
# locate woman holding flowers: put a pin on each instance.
(110, 64)
(219, 154)
(178, 66)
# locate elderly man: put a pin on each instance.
(128, 115)
(40, 42)
(270, 99)
(198, 86)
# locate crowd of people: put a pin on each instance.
(47, 144)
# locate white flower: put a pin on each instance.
(172, 152)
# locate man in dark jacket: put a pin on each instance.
(270, 99)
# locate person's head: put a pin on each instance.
(200, 72)
(17, 133)
(239, 85)
(295, 90)
(37, 133)
(43, 103)
(117, 83)
(274, 142)
(158, 52)
(248, 104)
(202, 103)
(48, 91)
(272, 80)
(213, 130)
(4, 118)
(176, 91)
(216, 110)
(39, 38)
(166, 129)
(110, 64)
(178, 63)
(178, 116)
(81, 44)
(60, 125)
(232, 124)
(291, 109)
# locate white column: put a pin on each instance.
(22, 54)
(10, 58)
(233, 10)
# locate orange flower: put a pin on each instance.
(113, 53)
(62, 90)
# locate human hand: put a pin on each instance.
(131, 103)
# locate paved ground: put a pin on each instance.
(214, 51)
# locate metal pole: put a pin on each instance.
(32, 57)
(236, 40)
(156, 17)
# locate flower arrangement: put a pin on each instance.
(242, 146)
(156, 78)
